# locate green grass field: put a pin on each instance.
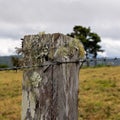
(99, 94)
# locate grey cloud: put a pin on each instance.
(111, 47)
(59, 16)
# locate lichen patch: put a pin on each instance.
(35, 79)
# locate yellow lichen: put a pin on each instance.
(62, 51)
(71, 49)
(35, 79)
(75, 44)
(41, 33)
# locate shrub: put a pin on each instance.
(3, 66)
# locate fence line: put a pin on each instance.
(99, 61)
(103, 61)
(42, 65)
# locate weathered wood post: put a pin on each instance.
(50, 86)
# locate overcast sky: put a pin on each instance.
(21, 17)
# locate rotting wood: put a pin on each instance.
(50, 92)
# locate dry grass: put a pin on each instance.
(10, 95)
(99, 94)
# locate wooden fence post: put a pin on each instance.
(50, 86)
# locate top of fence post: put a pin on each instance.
(50, 91)
(42, 48)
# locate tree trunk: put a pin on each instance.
(95, 59)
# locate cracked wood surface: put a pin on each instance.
(50, 92)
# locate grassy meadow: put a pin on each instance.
(99, 94)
